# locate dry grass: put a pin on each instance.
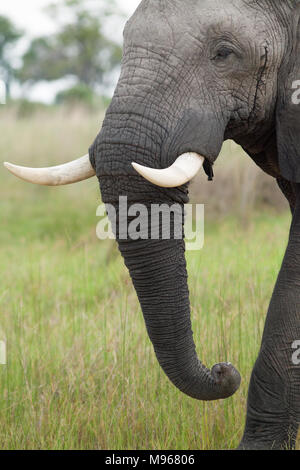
(239, 186)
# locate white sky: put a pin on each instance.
(30, 17)
(29, 14)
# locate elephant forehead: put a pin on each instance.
(169, 23)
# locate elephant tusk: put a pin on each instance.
(72, 172)
(181, 172)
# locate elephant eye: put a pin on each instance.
(223, 53)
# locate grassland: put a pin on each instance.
(81, 372)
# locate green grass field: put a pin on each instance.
(81, 372)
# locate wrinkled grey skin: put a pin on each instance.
(195, 73)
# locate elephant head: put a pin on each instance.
(194, 74)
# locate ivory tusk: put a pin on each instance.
(181, 172)
(68, 173)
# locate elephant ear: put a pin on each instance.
(288, 106)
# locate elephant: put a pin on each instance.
(193, 75)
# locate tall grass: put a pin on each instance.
(81, 372)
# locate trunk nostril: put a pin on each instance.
(226, 375)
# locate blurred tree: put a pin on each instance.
(80, 48)
(9, 35)
(79, 93)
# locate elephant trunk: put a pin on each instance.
(158, 272)
(157, 266)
